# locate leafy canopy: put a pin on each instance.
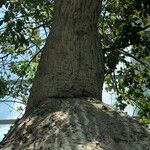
(124, 30)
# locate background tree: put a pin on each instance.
(125, 34)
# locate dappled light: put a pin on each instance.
(76, 124)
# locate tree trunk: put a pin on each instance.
(76, 124)
(64, 111)
(71, 63)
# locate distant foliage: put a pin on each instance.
(125, 31)
(3, 87)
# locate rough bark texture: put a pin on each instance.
(70, 70)
(76, 124)
(71, 64)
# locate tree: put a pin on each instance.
(125, 24)
(121, 24)
(64, 111)
(78, 69)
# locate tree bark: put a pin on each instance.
(60, 115)
(71, 64)
(76, 124)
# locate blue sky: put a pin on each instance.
(8, 111)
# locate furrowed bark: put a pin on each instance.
(76, 124)
(71, 64)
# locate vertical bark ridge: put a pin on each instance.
(71, 64)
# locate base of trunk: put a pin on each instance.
(76, 124)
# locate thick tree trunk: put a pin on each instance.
(76, 124)
(59, 115)
(71, 64)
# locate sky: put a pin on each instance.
(8, 111)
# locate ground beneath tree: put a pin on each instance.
(76, 124)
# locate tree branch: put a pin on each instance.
(11, 101)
